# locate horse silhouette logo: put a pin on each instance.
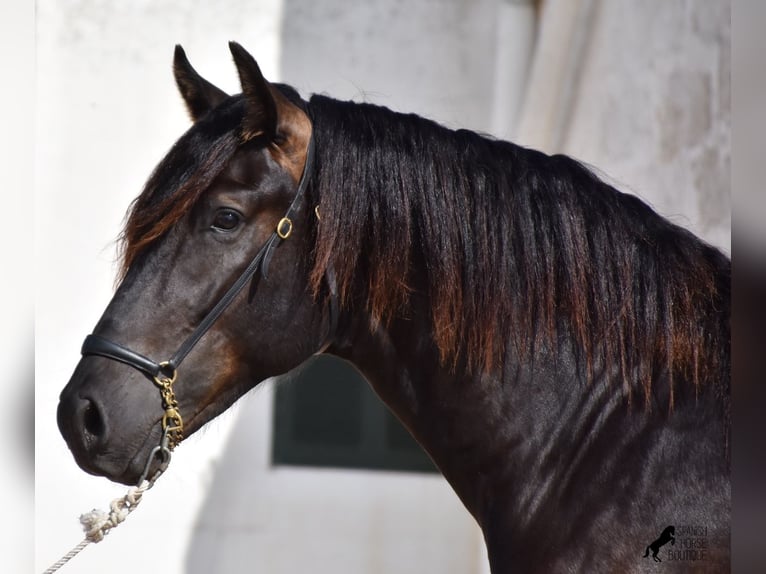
(668, 535)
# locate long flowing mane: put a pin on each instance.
(514, 246)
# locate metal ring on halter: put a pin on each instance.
(164, 451)
(160, 379)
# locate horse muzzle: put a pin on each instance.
(103, 437)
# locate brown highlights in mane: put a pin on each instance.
(513, 248)
(176, 184)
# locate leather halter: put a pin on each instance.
(102, 347)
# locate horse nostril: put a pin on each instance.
(92, 420)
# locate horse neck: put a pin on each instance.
(469, 423)
(508, 438)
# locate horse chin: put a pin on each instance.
(113, 468)
(146, 462)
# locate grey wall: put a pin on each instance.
(651, 107)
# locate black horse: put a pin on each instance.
(668, 535)
(559, 350)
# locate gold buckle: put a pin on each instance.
(282, 222)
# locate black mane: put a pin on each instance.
(512, 245)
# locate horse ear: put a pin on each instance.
(200, 95)
(269, 112)
(261, 117)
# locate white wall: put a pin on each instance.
(642, 92)
(654, 107)
(17, 58)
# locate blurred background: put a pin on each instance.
(318, 476)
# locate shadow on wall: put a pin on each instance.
(225, 520)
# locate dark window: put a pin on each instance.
(327, 415)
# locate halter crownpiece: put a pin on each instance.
(164, 373)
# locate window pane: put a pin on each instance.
(327, 415)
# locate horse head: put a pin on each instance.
(226, 205)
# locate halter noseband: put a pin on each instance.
(164, 373)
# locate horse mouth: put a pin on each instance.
(118, 463)
(145, 463)
(112, 465)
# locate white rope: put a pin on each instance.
(98, 523)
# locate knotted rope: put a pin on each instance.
(96, 524)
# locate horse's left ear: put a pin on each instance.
(269, 112)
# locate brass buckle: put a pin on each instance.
(282, 223)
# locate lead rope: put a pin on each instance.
(96, 524)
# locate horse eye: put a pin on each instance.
(226, 220)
